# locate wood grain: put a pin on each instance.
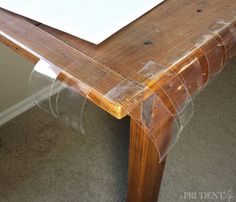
(145, 171)
(195, 39)
(166, 34)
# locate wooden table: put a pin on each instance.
(180, 36)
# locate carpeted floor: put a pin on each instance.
(41, 160)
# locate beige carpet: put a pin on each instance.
(42, 160)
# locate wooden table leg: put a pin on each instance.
(145, 171)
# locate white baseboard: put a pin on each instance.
(25, 104)
(16, 110)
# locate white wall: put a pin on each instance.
(14, 75)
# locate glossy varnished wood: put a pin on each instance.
(164, 35)
(167, 35)
(145, 170)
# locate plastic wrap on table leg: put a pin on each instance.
(169, 108)
(214, 53)
(226, 32)
(228, 38)
(166, 130)
(176, 97)
(173, 87)
(147, 110)
(190, 72)
(172, 110)
(232, 51)
(218, 46)
(158, 123)
(165, 113)
(42, 84)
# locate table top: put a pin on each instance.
(164, 39)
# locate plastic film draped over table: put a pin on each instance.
(42, 82)
(65, 99)
(218, 46)
(161, 108)
(158, 98)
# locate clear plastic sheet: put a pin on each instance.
(42, 83)
(62, 95)
(161, 108)
(69, 105)
(218, 47)
(64, 99)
